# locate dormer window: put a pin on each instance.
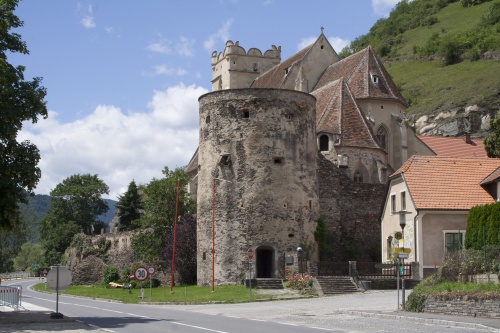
(324, 141)
(375, 78)
(286, 71)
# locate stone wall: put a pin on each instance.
(464, 306)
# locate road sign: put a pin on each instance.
(141, 273)
(151, 270)
(398, 235)
(402, 249)
(64, 279)
(250, 254)
(403, 255)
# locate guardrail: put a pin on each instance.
(16, 275)
(11, 296)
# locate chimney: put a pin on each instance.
(467, 138)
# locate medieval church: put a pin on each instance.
(285, 143)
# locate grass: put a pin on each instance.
(428, 86)
(184, 294)
(447, 25)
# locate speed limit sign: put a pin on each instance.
(141, 273)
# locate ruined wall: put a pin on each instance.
(259, 148)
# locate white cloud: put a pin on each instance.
(337, 43)
(383, 7)
(222, 34)
(165, 70)
(162, 46)
(87, 13)
(119, 147)
(185, 47)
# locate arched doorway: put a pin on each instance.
(265, 262)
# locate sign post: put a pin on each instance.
(250, 258)
(151, 271)
(58, 279)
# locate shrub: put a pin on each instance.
(415, 301)
(299, 281)
(110, 274)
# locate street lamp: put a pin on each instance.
(402, 224)
(299, 255)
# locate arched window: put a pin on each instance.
(324, 141)
(358, 176)
(381, 137)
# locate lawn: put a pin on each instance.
(184, 294)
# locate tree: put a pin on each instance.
(12, 240)
(129, 208)
(76, 205)
(159, 197)
(20, 101)
(492, 142)
(30, 253)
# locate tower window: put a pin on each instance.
(324, 141)
(278, 160)
(381, 136)
(255, 67)
(382, 107)
(246, 114)
(358, 177)
(207, 120)
(322, 47)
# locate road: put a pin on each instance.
(347, 313)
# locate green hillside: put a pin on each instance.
(441, 54)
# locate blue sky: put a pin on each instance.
(123, 77)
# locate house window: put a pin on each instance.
(403, 200)
(358, 177)
(393, 203)
(453, 241)
(323, 142)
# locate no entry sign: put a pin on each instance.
(250, 254)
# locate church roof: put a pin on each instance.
(366, 76)
(450, 183)
(338, 113)
(274, 77)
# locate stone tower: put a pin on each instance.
(257, 184)
(234, 68)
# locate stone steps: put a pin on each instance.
(266, 283)
(335, 285)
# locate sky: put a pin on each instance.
(123, 78)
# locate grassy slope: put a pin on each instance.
(429, 86)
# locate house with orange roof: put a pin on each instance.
(455, 146)
(436, 194)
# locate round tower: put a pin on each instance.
(257, 182)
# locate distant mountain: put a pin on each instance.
(40, 205)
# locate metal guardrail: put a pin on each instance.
(16, 275)
(11, 296)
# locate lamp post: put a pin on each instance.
(402, 224)
(299, 258)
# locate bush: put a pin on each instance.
(299, 281)
(110, 274)
(415, 301)
(460, 264)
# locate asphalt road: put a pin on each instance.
(368, 312)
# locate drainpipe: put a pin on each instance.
(415, 243)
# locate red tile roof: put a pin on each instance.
(338, 113)
(457, 147)
(450, 183)
(358, 70)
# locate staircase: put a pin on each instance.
(336, 285)
(267, 283)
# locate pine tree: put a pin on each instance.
(129, 208)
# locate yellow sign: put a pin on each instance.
(398, 235)
(402, 249)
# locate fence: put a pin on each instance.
(333, 268)
(382, 271)
(11, 296)
(16, 275)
